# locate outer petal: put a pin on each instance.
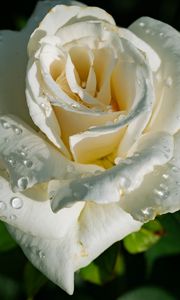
(41, 110)
(61, 15)
(159, 192)
(110, 186)
(97, 228)
(23, 151)
(13, 59)
(165, 40)
(48, 240)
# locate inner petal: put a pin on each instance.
(104, 62)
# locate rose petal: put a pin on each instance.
(94, 143)
(159, 191)
(165, 40)
(41, 110)
(61, 15)
(112, 224)
(44, 237)
(59, 258)
(30, 159)
(153, 148)
(73, 122)
(13, 56)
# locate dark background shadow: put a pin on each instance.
(13, 15)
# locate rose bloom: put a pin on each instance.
(89, 145)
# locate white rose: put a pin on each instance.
(103, 157)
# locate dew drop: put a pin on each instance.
(141, 24)
(159, 193)
(11, 161)
(16, 202)
(17, 130)
(168, 81)
(12, 217)
(174, 169)
(41, 254)
(28, 163)
(2, 205)
(5, 124)
(146, 214)
(165, 176)
(147, 31)
(74, 105)
(52, 195)
(22, 183)
(124, 182)
(162, 193)
(161, 34)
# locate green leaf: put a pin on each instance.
(169, 244)
(6, 241)
(145, 238)
(9, 288)
(105, 268)
(34, 280)
(147, 293)
(91, 273)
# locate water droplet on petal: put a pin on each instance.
(28, 163)
(11, 161)
(22, 183)
(147, 31)
(2, 205)
(159, 193)
(41, 254)
(165, 176)
(5, 124)
(73, 105)
(52, 195)
(16, 202)
(175, 169)
(146, 214)
(17, 130)
(141, 24)
(12, 217)
(124, 182)
(161, 34)
(168, 81)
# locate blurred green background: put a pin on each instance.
(146, 265)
